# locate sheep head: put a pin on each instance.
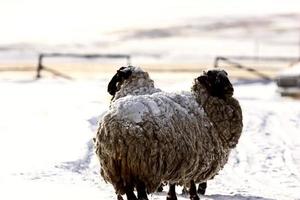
(217, 83)
(130, 81)
(214, 92)
(122, 74)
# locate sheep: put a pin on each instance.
(148, 136)
(122, 74)
(117, 80)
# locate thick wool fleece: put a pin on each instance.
(160, 136)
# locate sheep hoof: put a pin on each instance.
(160, 188)
(120, 197)
(169, 197)
(202, 188)
(201, 191)
(184, 191)
(194, 197)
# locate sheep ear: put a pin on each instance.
(204, 81)
(222, 86)
(112, 85)
(122, 73)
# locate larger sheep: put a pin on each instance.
(149, 137)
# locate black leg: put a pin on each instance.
(141, 191)
(202, 188)
(119, 197)
(184, 191)
(129, 193)
(160, 188)
(172, 192)
(193, 191)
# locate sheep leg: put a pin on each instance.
(184, 191)
(172, 192)
(129, 193)
(141, 191)
(202, 188)
(119, 197)
(193, 191)
(160, 188)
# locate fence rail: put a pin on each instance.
(263, 58)
(231, 60)
(42, 56)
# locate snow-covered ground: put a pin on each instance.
(46, 149)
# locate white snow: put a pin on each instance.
(46, 146)
(134, 108)
(130, 110)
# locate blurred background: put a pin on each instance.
(173, 35)
(57, 57)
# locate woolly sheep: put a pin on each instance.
(143, 86)
(148, 136)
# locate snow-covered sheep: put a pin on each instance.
(148, 136)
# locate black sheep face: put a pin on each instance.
(122, 74)
(217, 83)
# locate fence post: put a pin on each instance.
(128, 60)
(40, 66)
(239, 66)
(216, 64)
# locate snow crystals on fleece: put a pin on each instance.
(133, 108)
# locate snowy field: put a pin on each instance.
(46, 149)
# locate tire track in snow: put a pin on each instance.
(82, 164)
(263, 164)
(269, 159)
(291, 143)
